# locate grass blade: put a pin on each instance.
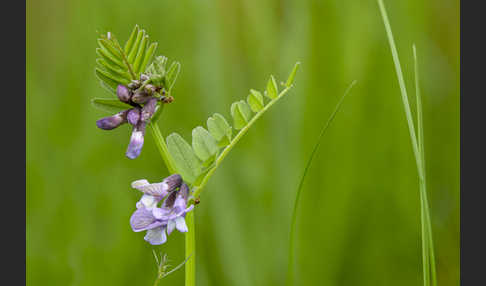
(426, 221)
(290, 270)
(428, 258)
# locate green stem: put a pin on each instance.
(190, 266)
(190, 244)
(162, 146)
(157, 279)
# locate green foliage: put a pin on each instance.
(205, 146)
(186, 162)
(109, 105)
(117, 65)
(162, 264)
(219, 129)
(255, 100)
(272, 88)
(196, 164)
(357, 225)
(160, 75)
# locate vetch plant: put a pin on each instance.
(142, 85)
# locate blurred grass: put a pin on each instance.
(359, 219)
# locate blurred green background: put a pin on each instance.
(359, 220)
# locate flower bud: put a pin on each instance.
(144, 77)
(112, 122)
(134, 84)
(123, 93)
(148, 109)
(133, 116)
(150, 89)
(140, 97)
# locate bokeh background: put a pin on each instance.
(359, 218)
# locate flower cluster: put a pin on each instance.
(174, 194)
(144, 98)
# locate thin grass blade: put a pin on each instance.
(290, 269)
(418, 150)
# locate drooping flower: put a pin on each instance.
(175, 210)
(159, 220)
(144, 99)
(139, 123)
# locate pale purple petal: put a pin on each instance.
(156, 236)
(184, 191)
(179, 204)
(156, 189)
(139, 183)
(112, 122)
(149, 201)
(189, 209)
(160, 214)
(171, 226)
(136, 141)
(133, 116)
(142, 219)
(181, 224)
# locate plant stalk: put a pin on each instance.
(190, 267)
(162, 147)
(190, 238)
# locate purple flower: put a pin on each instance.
(112, 122)
(175, 210)
(137, 116)
(159, 190)
(159, 220)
